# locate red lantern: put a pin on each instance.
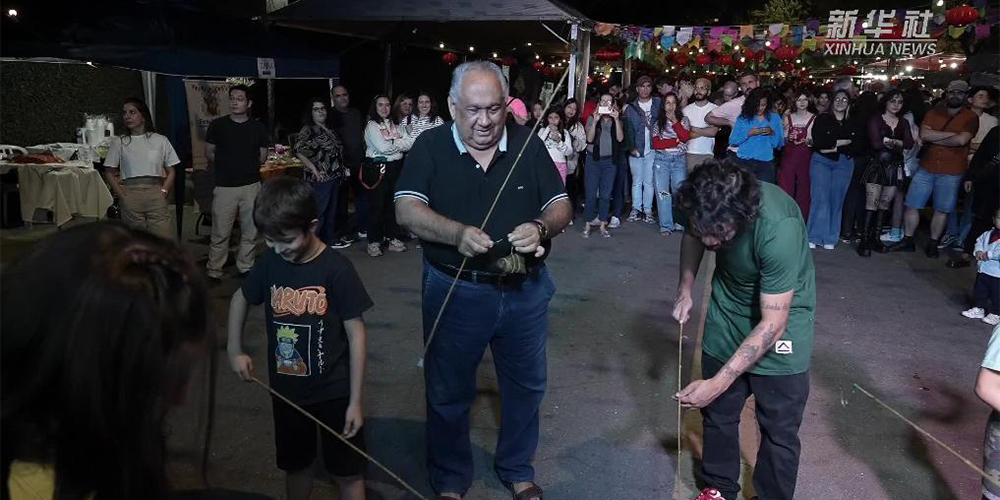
(962, 15)
(538, 65)
(785, 53)
(450, 58)
(703, 59)
(508, 61)
(725, 60)
(590, 81)
(738, 64)
(788, 67)
(754, 56)
(681, 59)
(608, 55)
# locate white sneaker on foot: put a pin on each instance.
(615, 223)
(633, 215)
(992, 319)
(974, 313)
(812, 246)
(828, 247)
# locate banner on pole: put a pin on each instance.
(206, 101)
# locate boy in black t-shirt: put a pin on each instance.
(315, 338)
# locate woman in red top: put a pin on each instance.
(671, 133)
(794, 174)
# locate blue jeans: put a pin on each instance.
(829, 180)
(621, 179)
(959, 228)
(642, 182)
(669, 171)
(326, 208)
(600, 179)
(513, 320)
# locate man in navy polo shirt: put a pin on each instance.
(449, 181)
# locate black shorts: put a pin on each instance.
(295, 438)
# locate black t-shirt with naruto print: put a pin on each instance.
(308, 355)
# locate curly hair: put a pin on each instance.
(719, 197)
(750, 105)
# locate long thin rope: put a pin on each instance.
(465, 260)
(930, 436)
(680, 358)
(339, 436)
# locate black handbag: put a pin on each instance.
(371, 172)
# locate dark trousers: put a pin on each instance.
(383, 211)
(852, 217)
(987, 292)
(574, 184)
(780, 400)
(600, 180)
(619, 188)
(347, 186)
(327, 195)
(979, 226)
(513, 320)
(764, 171)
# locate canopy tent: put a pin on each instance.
(520, 28)
(172, 39)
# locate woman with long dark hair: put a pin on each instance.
(578, 134)
(140, 170)
(758, 132)
(889, 135)
(322, 152)
(402, 112)
(794, 174)
(830, 171)
(823, 100)
(426, 116)
(97, 350)
(385, 143)
(671, 133)
(605, 134)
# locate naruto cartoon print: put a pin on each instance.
(289, 360)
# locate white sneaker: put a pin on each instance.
(615, 223)
(975, 313)
(633, 216)
(992, 319)
(396, 246)
(812, 246)
(678, 227)
(828, 247)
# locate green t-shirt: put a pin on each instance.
(771, 256)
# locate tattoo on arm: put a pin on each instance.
(773, 306)
(753, 348)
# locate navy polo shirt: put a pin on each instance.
(440, 172)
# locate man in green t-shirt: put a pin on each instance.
(759, 330)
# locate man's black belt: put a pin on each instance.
(486, 277)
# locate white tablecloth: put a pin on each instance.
(65, 189)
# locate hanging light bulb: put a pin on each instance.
(441, 45)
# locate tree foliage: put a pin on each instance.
(782, 11)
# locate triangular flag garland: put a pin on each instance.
(807, 37)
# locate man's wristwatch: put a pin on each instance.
(543, 230)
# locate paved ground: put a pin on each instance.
(889, 323)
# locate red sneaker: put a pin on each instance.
(709, 494)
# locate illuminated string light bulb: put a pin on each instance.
(441, 45)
